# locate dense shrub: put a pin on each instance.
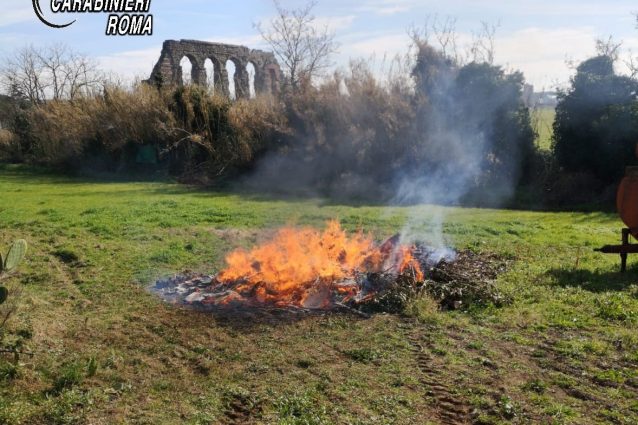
(348, 137)
(474, 135)
(74, 133)
(596, 127)
(214, 135)
(451, 134)
(8, 141)
(15, 141)
(456, 134)
(186, 129)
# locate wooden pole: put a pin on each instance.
(623, 255)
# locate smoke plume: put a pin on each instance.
(459, 136)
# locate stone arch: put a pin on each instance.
(214, 71)
(258, 62)
(237, 78)
(231, 80)
(167, 70)
(209, 67)
(271, 79)
(251, 75)
(185, 71)
(199, 72)
(242, 90)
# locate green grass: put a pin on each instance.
(108, 351)
(543, 122)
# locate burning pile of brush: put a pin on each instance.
(310, 269)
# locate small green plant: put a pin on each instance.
(9, 263)
(507, 407)
(535, 385)
(300, 409)
(8, 371)
(69, 375)
(616, 308)
(91, 367)
(363, 355)
(423, 308)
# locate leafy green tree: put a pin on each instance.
(475, 130)
(596, 127)
(489, 101)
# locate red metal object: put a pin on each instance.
(627, 200)
(627, 204)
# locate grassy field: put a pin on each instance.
(543, 122)
(107, 351)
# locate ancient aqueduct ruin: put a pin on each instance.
(168, 70)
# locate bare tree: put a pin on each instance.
(53, 73)
(608, 47)
(483, 43)
(632, 64)
(303, 48)
(22, 77)
(446, 36)
(53, 63)
(439, 33)
(442, 35)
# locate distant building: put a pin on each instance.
(544, 99)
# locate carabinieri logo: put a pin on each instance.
(126, 17)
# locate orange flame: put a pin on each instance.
(304, 266)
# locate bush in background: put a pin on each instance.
(185, 130)
(596, 127)
(213, 136)
(446, 125)
(347, 137)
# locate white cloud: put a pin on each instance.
(569, 8)
(555, 8)
(378, 50)
(253, 41)
(15, 12)
(334, 23)
(131, 64)
(389, 7)
(387, 44)
(542, 54)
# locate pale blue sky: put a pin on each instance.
(534, 36)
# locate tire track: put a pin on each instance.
(450, 410)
